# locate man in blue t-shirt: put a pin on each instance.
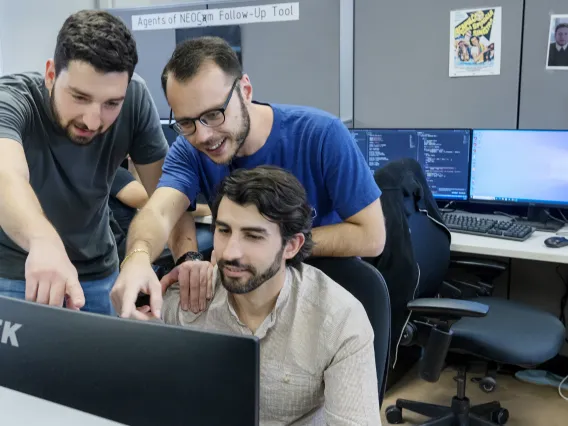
(221, 128)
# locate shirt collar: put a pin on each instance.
(270, 320)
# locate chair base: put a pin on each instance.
(460, 413)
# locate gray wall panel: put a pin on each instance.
(544, 93)
(401, 67)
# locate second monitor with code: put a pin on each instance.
(442, 153)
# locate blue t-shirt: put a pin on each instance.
(311, 144)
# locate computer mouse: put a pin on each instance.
(556, 242)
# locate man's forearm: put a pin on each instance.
(148, 232)
(183, 237)
(343, 240)
(21, 215)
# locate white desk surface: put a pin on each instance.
(532, 249)
(20, 409)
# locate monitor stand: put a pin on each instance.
(539, 218)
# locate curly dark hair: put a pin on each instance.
(278, 196)
(98, 38)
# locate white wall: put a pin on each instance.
(28, 30)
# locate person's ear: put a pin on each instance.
(49, 74)
(246, 88)
(293, 246)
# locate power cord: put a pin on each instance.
(447, 209)
(560, 388)
(510, 216)
(555, 218)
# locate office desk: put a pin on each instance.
(531, 249)
(20, 409)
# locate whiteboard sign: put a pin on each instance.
(217, 17)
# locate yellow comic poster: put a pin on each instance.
(475, 42)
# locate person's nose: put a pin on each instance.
(202, 133)
(92, 117)
(232, 249)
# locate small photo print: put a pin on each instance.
(557, 46)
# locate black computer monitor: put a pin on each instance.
(527, 167)
(131, 372)
(442, 153)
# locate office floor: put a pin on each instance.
(528, 405)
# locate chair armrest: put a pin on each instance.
(488, 264)
(470, 289)
(434, 337)
(449, 290)
(444, 308)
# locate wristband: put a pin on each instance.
(190, 255)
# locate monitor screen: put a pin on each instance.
(520, 166)
(442, 153)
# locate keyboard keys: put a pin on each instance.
(506, 229)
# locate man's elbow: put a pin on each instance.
(376, 240)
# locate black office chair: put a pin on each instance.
(489, 328)
(365, 283)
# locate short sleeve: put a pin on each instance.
(14, 115)
(122, 178)
(348, 178)
(149, 143)
(180, 170)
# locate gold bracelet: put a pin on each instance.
(131, 253)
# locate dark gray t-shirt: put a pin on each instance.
(72, 182)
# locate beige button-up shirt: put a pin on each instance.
(317, 362)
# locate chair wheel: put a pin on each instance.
(487, 384)
(500, 416)
(394, 415)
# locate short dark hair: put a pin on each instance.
(98, 38)
(278, 196)
(191, 54)
(559, 26)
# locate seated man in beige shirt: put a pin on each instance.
(316, 342)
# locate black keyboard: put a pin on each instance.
(487, 227)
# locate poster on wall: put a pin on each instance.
(557, 43)
(475, 42)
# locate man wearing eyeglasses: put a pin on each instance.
(221, 128)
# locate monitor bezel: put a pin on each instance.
(540, 204)
(458, 129)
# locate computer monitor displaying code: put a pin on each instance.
(520, 166)
(442, 153)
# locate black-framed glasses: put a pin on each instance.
(212, 118)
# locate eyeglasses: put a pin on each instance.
(211, 118)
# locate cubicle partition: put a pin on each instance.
(402, 71)
(544, 92)
(293, 61)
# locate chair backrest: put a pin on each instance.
(431, 247)
(367, 285)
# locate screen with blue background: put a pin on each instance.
(520, 166)
(442, 153)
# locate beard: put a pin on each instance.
(67, 128)
(235, 286)
(240, 136)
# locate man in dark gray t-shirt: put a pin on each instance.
(63, 136)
